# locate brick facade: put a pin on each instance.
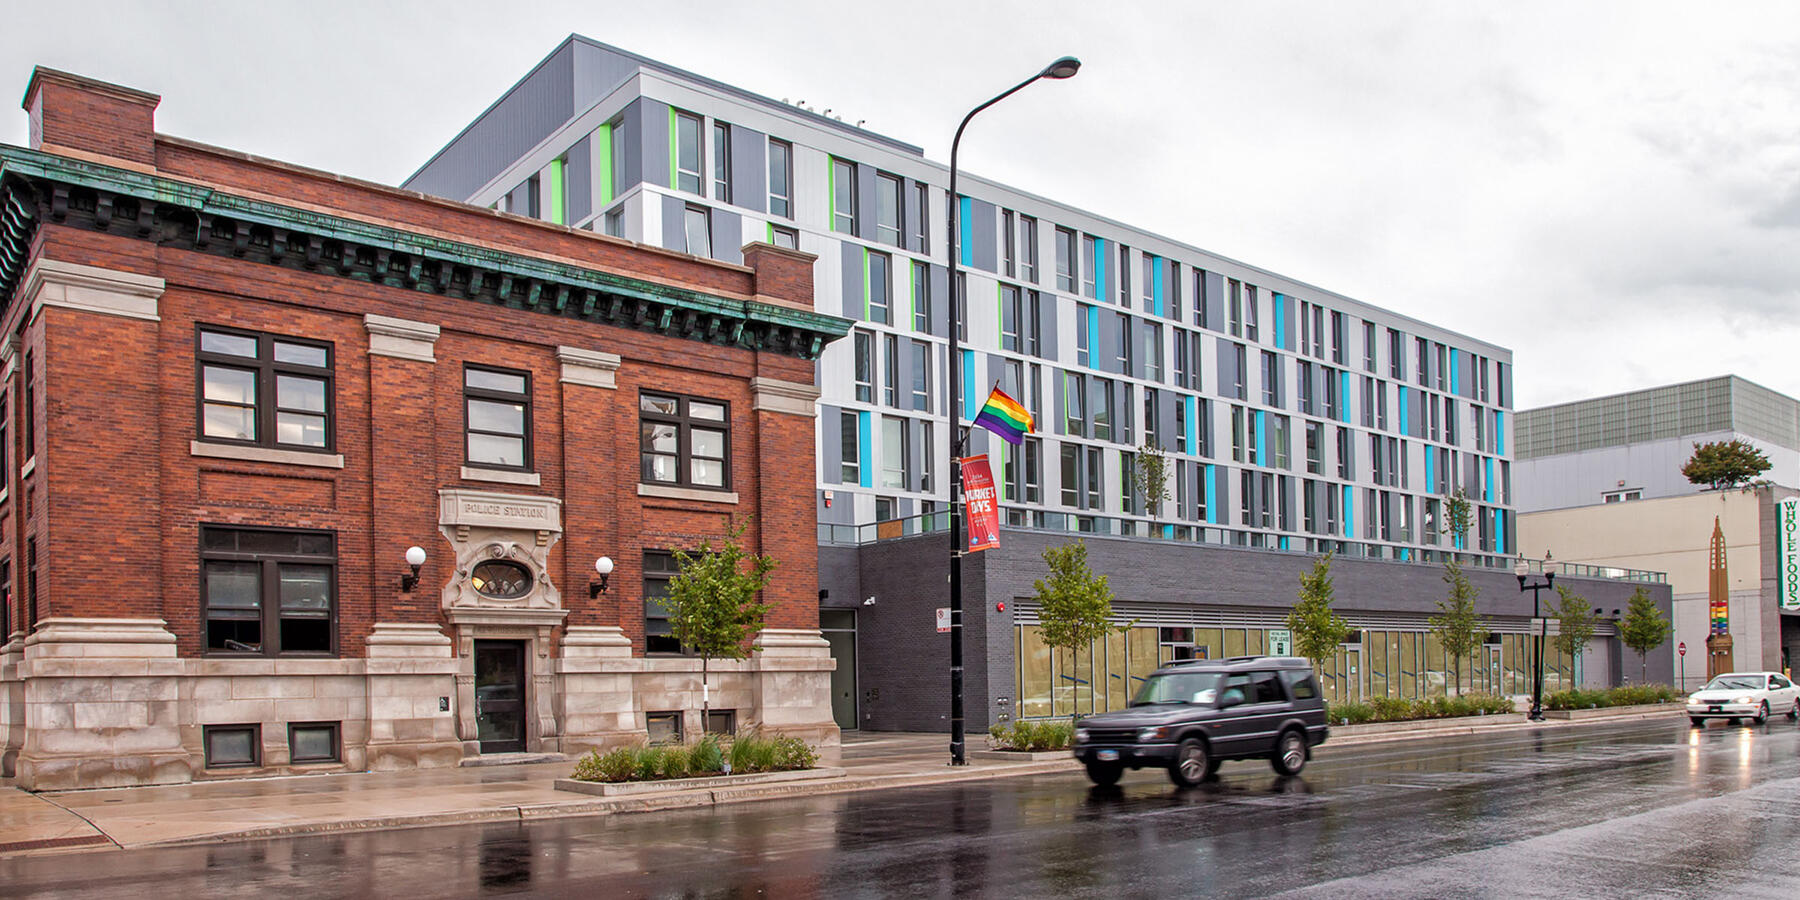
(120, 481)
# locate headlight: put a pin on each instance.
(1158, 733)
(1081, 734)
(1745, 699)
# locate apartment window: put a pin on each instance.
(1271, 379)
(1148, 279)
(1368, 346)
(895, 453)
(659, 567)
(1318, 331)
(1090, 266)
(890, 389)
(1181, 359)
(268, 592)
(1278, 442)
(849, 448)
(1442, 368)
(887, 209)
(927, 460)
(921, 229)
(1237, 385)
(843, 197)
(864, 344)
(257, 389)
(232, 746)
(313, 742)
(1422, 350)
(1094, 470)
(497, 406)
(1124, 270)
(1381, 405)
(721, 162)
(1251, 316)
(1345, 462)
(1123, 355)
(1083, 340)
(1234, 309)
(1303, 380)
(1071, 466)
(1065, 260)
(1153, 351)
(1010, 314)
(881, 281)
(921, 376)
(1075, 404)
(1034, 323)
(1200, 316)
(781, 178)
(697, 224)
(1152, 417)
(1237, 434)
(1033, 452)
(1396, 355)
(1368, 402)
(1315, 448)
(921, 297)
(614, 224)
(1449, 421)
(1008, 254)
(884, 508)
(1028, 255)
(1103, 409)
(1181, 441)
(533, 198)
(782, 236)
(1338, 337)
(688, 153)
(684, 440)
(1331, 394)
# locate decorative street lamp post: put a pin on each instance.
(1523, 569)
(1065, 67)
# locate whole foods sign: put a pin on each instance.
(1787, 552)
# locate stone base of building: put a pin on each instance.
(92, 703)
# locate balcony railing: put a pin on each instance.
(1220, 535)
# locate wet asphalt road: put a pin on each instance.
(1634, 809)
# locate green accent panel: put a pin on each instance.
(771, 233)
(603, 163)
(674, 148)
(559, 204)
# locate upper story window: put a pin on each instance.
(1250, 314)
(697, 225)
(1090, 266)
(261, 389)
(1368, 346)
(881, 285)
(498, 407)
(1065, 260)
(864, 348)
(887, 209)
(1028, 255)
(688, 153)
(1008, 248)
(921, 297)
(721, 162)
(268, 592)
(781, 179)
(843, 196)
(1396, 356)
(659, 567)
(784, 237)
(1234, 307)
(1123, 276)
(685, 441)
(1011, 311)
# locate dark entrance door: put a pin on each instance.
(500, 696)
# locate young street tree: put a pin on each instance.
(1074, 605)
(1722, 465)
(1317, 628)
(1150, 477)
(1456, 511)
(1643, 629)
(713, 602)
(1575, 623)
(1457, 625)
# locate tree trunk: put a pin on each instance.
(1643, 669)
(705, 700)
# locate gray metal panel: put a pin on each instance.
(903, 368)
(1165, 413)
(1058, 385)
(1215, 301)
(1140, 330)
(647, 151)
(978, 443)
(853, 279)
(983, 220)
(1288, 314)
(727, 236)
(1047, 324)
(940, 300)
(1227, 360)
(519, 199)
(749, 169)
(996, 368)
(578, 181)
(865, 201)
(527, 114)
(943, 390)
(909, 206)
(831, 444)
(674, 228)
(1104, 351)
(918, 452)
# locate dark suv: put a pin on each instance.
(1190, 716)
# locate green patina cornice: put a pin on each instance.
(37, 187)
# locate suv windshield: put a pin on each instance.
(1735, 683)
(1178, 687)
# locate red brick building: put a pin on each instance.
(236, 391)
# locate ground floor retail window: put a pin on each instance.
(1403, 664)
(232, 746)
(663, 727)
(313, 742)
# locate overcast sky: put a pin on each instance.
(1611, 190)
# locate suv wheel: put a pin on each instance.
(1192, 763)
(1290, 753)
(1105, 774)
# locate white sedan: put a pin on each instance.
(1744, 695)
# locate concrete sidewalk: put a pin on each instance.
(247, 809)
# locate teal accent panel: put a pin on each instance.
(1349, 511)
(1500, 531)
(968, 374)
(1405, 555)
(1093, 314)
(1282, 543)
(1193, 429)
(1212, 496)
(1281, 322)
(965, 233)
(1100, 269)
(1455, 370)
(1403, 429)
(1262, 438)
(1429, 456)
(1168, 532)
(1487, 480)
(1156, 284)
(1500, 432)
(1344, 396)
(864, 451)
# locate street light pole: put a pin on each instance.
(1523, 569)
(1065, 67)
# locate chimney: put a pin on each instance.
(69, 112)
(783, 276)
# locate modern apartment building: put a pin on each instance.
(1298, 421)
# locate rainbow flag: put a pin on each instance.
(1004, 416)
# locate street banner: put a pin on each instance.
(1787, 552)
(981, 511)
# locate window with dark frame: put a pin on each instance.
(784, 237)
(781, 179)
(659, 568)
(314, 742)
(849, 448)
(1028, 248)
(696, 226)
(232, 746)
(888, 212)
(721, 162)
(921, 229)
(863, 349)
(688, 163)
(685, 441)
(843, 197)
(1065, 260)
(881, 287)
(6, 595)
(662, 727)
(259, 390)
(31, 582)
(921, 297)
(497, 418)
(29, 438)
(268, 592)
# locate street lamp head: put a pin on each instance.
(1551, 567)
(1062, 68)
(1521, 568)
